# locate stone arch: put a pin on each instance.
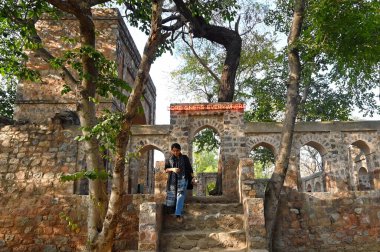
(145, 170)
(266, 145)
(269, 169)
(363, 182)
(320, 148)
(205, 177)
(318, 178)
(204, 125)
(308, 188)
(148, 147)
(360, 170)
(320, 142)
(363, 146)
(271, 142)
(317, 187)
(141, 169)
(150, 143)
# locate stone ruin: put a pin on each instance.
(336, 209)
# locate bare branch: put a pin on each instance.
(171, 18)
(173, 27)
(171, 9)
(237, 24)
(203, 63)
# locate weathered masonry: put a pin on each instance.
(35, 204)
(39, 102)
(342, 167)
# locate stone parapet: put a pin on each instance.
(150, 221)
(348, 221)
(255, 224)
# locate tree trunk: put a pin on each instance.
(274, 187)
(231, 41)
(104, 241)
(87, 114)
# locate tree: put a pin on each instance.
(275, 184)
(205, 161)
(339, 71)
(330, 88)
(344, 62)
(18, 29)
(263, 161)
(203, 59)
(7, 97)
(200, 27)
(197, 15)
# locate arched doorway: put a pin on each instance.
(263, 160)
(363, 180)
(312, 167)
(361, 177)
(206, 165)
(142, 169)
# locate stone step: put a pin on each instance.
(213, 208)
(211, 199)
(209, 250)
(222, 222)
(203, 240)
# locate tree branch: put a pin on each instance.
(65, 6)
(203, 63)
(173, 27)
(96, 2)
(237, 25)
(171, 18)
(45, 54)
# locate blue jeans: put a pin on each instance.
(181, 195)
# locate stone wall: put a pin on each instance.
(36, 206)
(332, 140)
(329, 222)
(203, 180)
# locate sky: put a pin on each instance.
(160, 74)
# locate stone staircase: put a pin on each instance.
(210, 224)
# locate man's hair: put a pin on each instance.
(176, 145)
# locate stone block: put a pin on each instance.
(147, 247)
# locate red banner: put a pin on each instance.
(210, 106)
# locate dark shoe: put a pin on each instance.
(179, 218)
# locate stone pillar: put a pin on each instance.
(160, 178)
(149, 226)
(337, 176)
(254, 224)
(245, 173)
(375, 163)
